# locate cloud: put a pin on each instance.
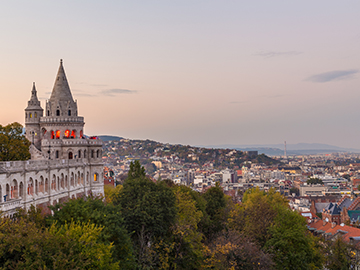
(333, 76)
(270, 54)
(81, 93)
(112, 92)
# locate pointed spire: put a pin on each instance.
(34, 102)
(61, 90)
(61, 102)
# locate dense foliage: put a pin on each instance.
(159, 225)
(13, 144)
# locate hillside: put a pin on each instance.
(184, 155)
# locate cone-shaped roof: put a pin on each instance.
(61, 91)
(33, 103)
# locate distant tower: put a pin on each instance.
(285, 149)
(33, 112)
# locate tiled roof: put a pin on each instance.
(346, 231)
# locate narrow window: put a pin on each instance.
(79, 154)
(73, 134)
(30, 115)
(48, 113)
(57, 112)
(52, 134)
(58, 134)
(35, 115)
(67, 133)
(69, 112)
(70, 155)
(95, 177)
(57, 154)
(92, 153)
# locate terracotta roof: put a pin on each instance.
(346, 231)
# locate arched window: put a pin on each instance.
(30, 115)
(69, 112)
(92, 153)
(58, 134)
(79, 154)
(48, 113)
(52, 134)
(70, 155)
(57, 112)
(73, 134)
(67, 133)
(57, 154)
(81, 134)
(21, 189)
(95, 176)
(97, 153)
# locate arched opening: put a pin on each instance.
(30, 115)
(52, 134)
(46, 185)
(72, 179)
(58, 183)
(57, 154)
(69, 112)
(95, 177)
(57, 112)
(70, 155)
(82, 179)
(42, 186)
(78, 179)
(36, 187)
(58, 134)
(7, 194)
(66, 182)
(81, 134)
(14, 189)
(92, 153)
(79, 154)
(62, 181)
(67, 133)
(48, 113)
(53, 182)
(73, 134)
(30, 190)
(21, 190)
(97, 153)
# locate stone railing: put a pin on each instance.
(47, 119)
(10, 205)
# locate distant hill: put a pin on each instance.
(107, 138)
(291, 149)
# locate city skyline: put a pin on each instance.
(198, 73)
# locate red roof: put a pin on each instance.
(346, 231)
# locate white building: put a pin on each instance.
(64, 164)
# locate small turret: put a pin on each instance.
(33, 112)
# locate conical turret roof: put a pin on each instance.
(61, 91)
(34, 103)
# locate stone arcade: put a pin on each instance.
(64, 164)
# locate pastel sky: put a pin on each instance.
(191, 71)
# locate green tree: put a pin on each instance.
(314, 180)
(23, 245)
(93, 210)
(148, 210)
(183, 248)
(136, 170)
(340, 255)
(215, 206)
(13, 144)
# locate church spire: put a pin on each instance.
(34, 102)
(61, 90)
(61, 102)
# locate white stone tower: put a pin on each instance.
(33, 113)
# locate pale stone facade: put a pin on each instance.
(64, 164)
